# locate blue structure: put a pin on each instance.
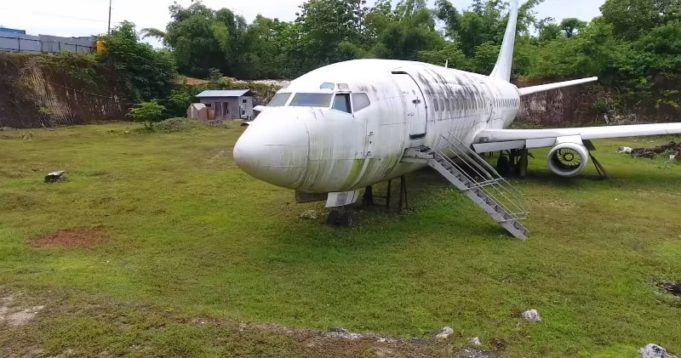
(15, 40)
(13, 31)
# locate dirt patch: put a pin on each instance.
(14, 315)
(673, 150)
(72, 239)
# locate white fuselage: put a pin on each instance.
(315, 148)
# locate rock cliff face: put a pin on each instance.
(45, 91)
(51, 90)
(586, 106)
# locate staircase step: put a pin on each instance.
(474, 188)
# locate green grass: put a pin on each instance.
(193, 236)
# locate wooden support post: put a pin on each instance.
(387, 194)
(404, 203)
(523, 163)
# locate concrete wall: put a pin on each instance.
(17, 42)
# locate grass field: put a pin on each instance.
(196, 258)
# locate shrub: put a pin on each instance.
(147, 112)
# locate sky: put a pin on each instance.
(89, 17)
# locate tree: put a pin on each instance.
(405, 32)
(325, 24)
(146, 73)
(548, 30)
(572, 26)
(633, 18)
(266, 49)
(202, 38)
(147, 112)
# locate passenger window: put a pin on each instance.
(279, 100)
(437, 107)
(360, 101)
(342, 103)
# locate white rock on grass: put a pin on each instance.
(343, 333)
(445, 333)
(475, 341)
(309, 215)
(655, 351)
(532, 315)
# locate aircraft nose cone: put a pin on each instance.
(275, 151)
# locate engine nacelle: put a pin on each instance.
(568, 158)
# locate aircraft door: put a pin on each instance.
(415, 105)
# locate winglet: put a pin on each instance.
(502, 70)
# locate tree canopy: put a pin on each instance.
(634, 46)
(146, 73)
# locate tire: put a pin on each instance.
(503, 165)
(334, 217)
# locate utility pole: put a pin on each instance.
(108, 29)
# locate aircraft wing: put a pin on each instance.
(551, 86)
(490, 140)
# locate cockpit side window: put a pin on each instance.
(279, 100)
(360, 101)
(311, 100)
(342, 102)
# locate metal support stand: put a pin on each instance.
(599, 167)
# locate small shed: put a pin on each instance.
(228, 104)
(197, 111)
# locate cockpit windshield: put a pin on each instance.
(279, 100)
(311, 100)
(344, 102)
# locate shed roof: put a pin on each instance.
(224, 93)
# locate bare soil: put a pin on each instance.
(87, 238)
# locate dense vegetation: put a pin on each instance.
(635, 46)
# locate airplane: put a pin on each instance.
(350, 125)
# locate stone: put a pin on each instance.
(445, 333)
(475, 341)
(54, 177)
(309, 215)
(474, 353)
(655, 351)
(532, 315)
(343, 333)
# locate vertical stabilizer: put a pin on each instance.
(504, 65)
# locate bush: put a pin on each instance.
(147, 112)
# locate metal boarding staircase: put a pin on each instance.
(478, 180)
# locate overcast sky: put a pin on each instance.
(88, 17)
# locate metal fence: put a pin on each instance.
(17, 42)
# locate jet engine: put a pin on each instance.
(568, 159)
